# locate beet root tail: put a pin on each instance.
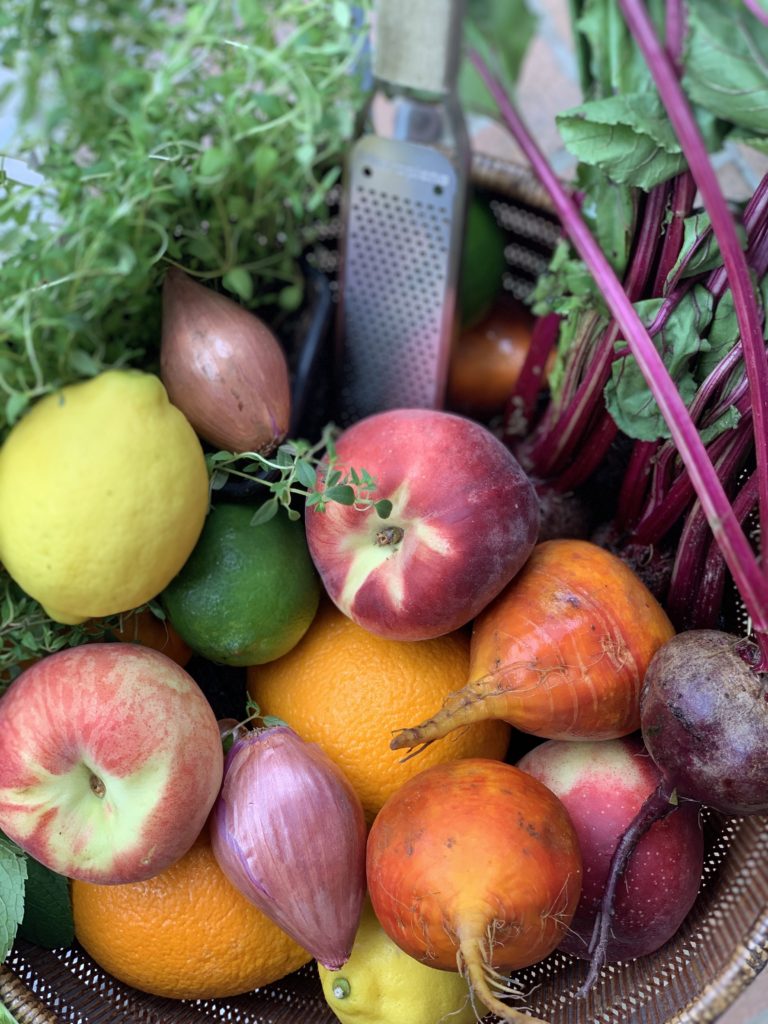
(476, 702)
(488, 986)
(657, 805)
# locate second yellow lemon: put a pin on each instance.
(349, 691)
(103, 494)
(380, 984)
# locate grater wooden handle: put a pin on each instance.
(416, 43)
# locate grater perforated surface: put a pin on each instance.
(396, 307)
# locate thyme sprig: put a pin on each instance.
(28, 633)
(207, 137)
(291, 473)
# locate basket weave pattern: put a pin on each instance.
(693, 979)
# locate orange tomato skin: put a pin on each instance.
(474, 850)
(146, 629)
(568, 642)
(487, 359)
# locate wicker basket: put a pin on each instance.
(719, 950)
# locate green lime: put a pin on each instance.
(482, 262)
(247, 594)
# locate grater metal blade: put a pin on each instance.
(402, 224)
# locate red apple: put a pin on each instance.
(602, 785)
(111, 762)
(464, 519)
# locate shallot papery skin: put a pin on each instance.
(223, 367)
(288, 831)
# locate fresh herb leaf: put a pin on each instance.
(291, 297)
(622, 126)
(27, 632)
(306, 474)
(723, 334)
(577, 337)
(292, 473)
(13, 875)
(239, 281)
(628, 136)
(566, 287)
(610, 62)
(699, 251)
(47, 917)
(342, 493)
(265, 512)
(150, 143)
(609, 210)
(15, 405)
(727, 421)
(5, 1015)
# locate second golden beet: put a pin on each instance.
(561, 652)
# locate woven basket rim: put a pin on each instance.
(513, 178)
(745, 964)
(515, 181)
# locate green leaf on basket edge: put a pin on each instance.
(5, 1015)
(13, 876)
(47, 919)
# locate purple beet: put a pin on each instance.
(704, 715)
(704, 721)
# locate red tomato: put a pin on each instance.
(488, 358)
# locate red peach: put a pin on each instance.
(464, 519)
(602, 785)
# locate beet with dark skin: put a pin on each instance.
(704, 721)
(704, 714)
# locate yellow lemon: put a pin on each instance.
(103, 494)
(380, 984)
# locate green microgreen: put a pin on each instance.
(27, 633)
(207, 138)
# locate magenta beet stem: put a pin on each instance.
(734, 260)
(738, 555)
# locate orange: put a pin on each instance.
(187, 933)
(349, 691)
(144, 627)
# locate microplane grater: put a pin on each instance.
(403, 216)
